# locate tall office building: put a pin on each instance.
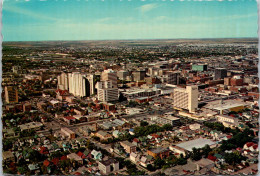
(138, 75)
(78, 84)
(106, 92)
(220, 73)
(122, 74)
(11, 94)
(171, 77)
(92, 81)
(186, 98)
(109, 75)
(63, 81)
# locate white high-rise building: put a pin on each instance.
(78, 84)
(186, 98)
(63, 81)
(91, 79)
(106, 92)
(109, 75)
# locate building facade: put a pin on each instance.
(11, 94)
(199, 67)
(220, 73)
(78, 84)
(63, 81)
(108, 166)
(186, 98)
(106, 92)
(109, 75)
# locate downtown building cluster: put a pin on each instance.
(131, 110)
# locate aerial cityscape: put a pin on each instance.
(136, 104)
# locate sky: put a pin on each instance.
(43, 20)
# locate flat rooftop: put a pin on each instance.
(227, 104)
(197, 143)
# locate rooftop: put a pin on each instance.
(159, 150)
(197, 143)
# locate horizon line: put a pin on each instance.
(131, 39)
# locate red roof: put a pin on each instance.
(55, 161)
(213, 158)
(249, 144)
(155, 135)
(81, 155)
(46, 163)
(229, 136)
(255, 146)
(44, 150)
(69, 118)
(77, 173)
(63, 158)
(62, 92)
(239, 149)
(136, 140)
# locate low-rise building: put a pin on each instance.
(178, 151)
(103, 135)
(8, 156)
(228, 121)
(108, 166)
(31, 126)
(159, 152)
(75, 157)
(67, 132)
(128, 146)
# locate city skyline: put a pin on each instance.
(128, 20)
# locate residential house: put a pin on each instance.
(8, 156)
(103, 135)
(34, 167)
(134, 157)
(116, 133)
(204, 163)
(97, 155)
(75, 157)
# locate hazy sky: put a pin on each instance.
(32, 20)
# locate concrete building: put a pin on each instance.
(63, 81)
(106, 92)
(11, 94)
(170, 77)
(220, 73)
(92, 82)
(67, 132)
(159, 152)
(174, 121)
(79, 84)
(75, 157)
(197, 143)
(31, 126)
(236, 81)
(178, 151)
(228, 121)
(109, 75)
(128, 146)
(108, 166)
(134, 93)
(138, 75)
(122, 74)
(186, 98)
(199, 67)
